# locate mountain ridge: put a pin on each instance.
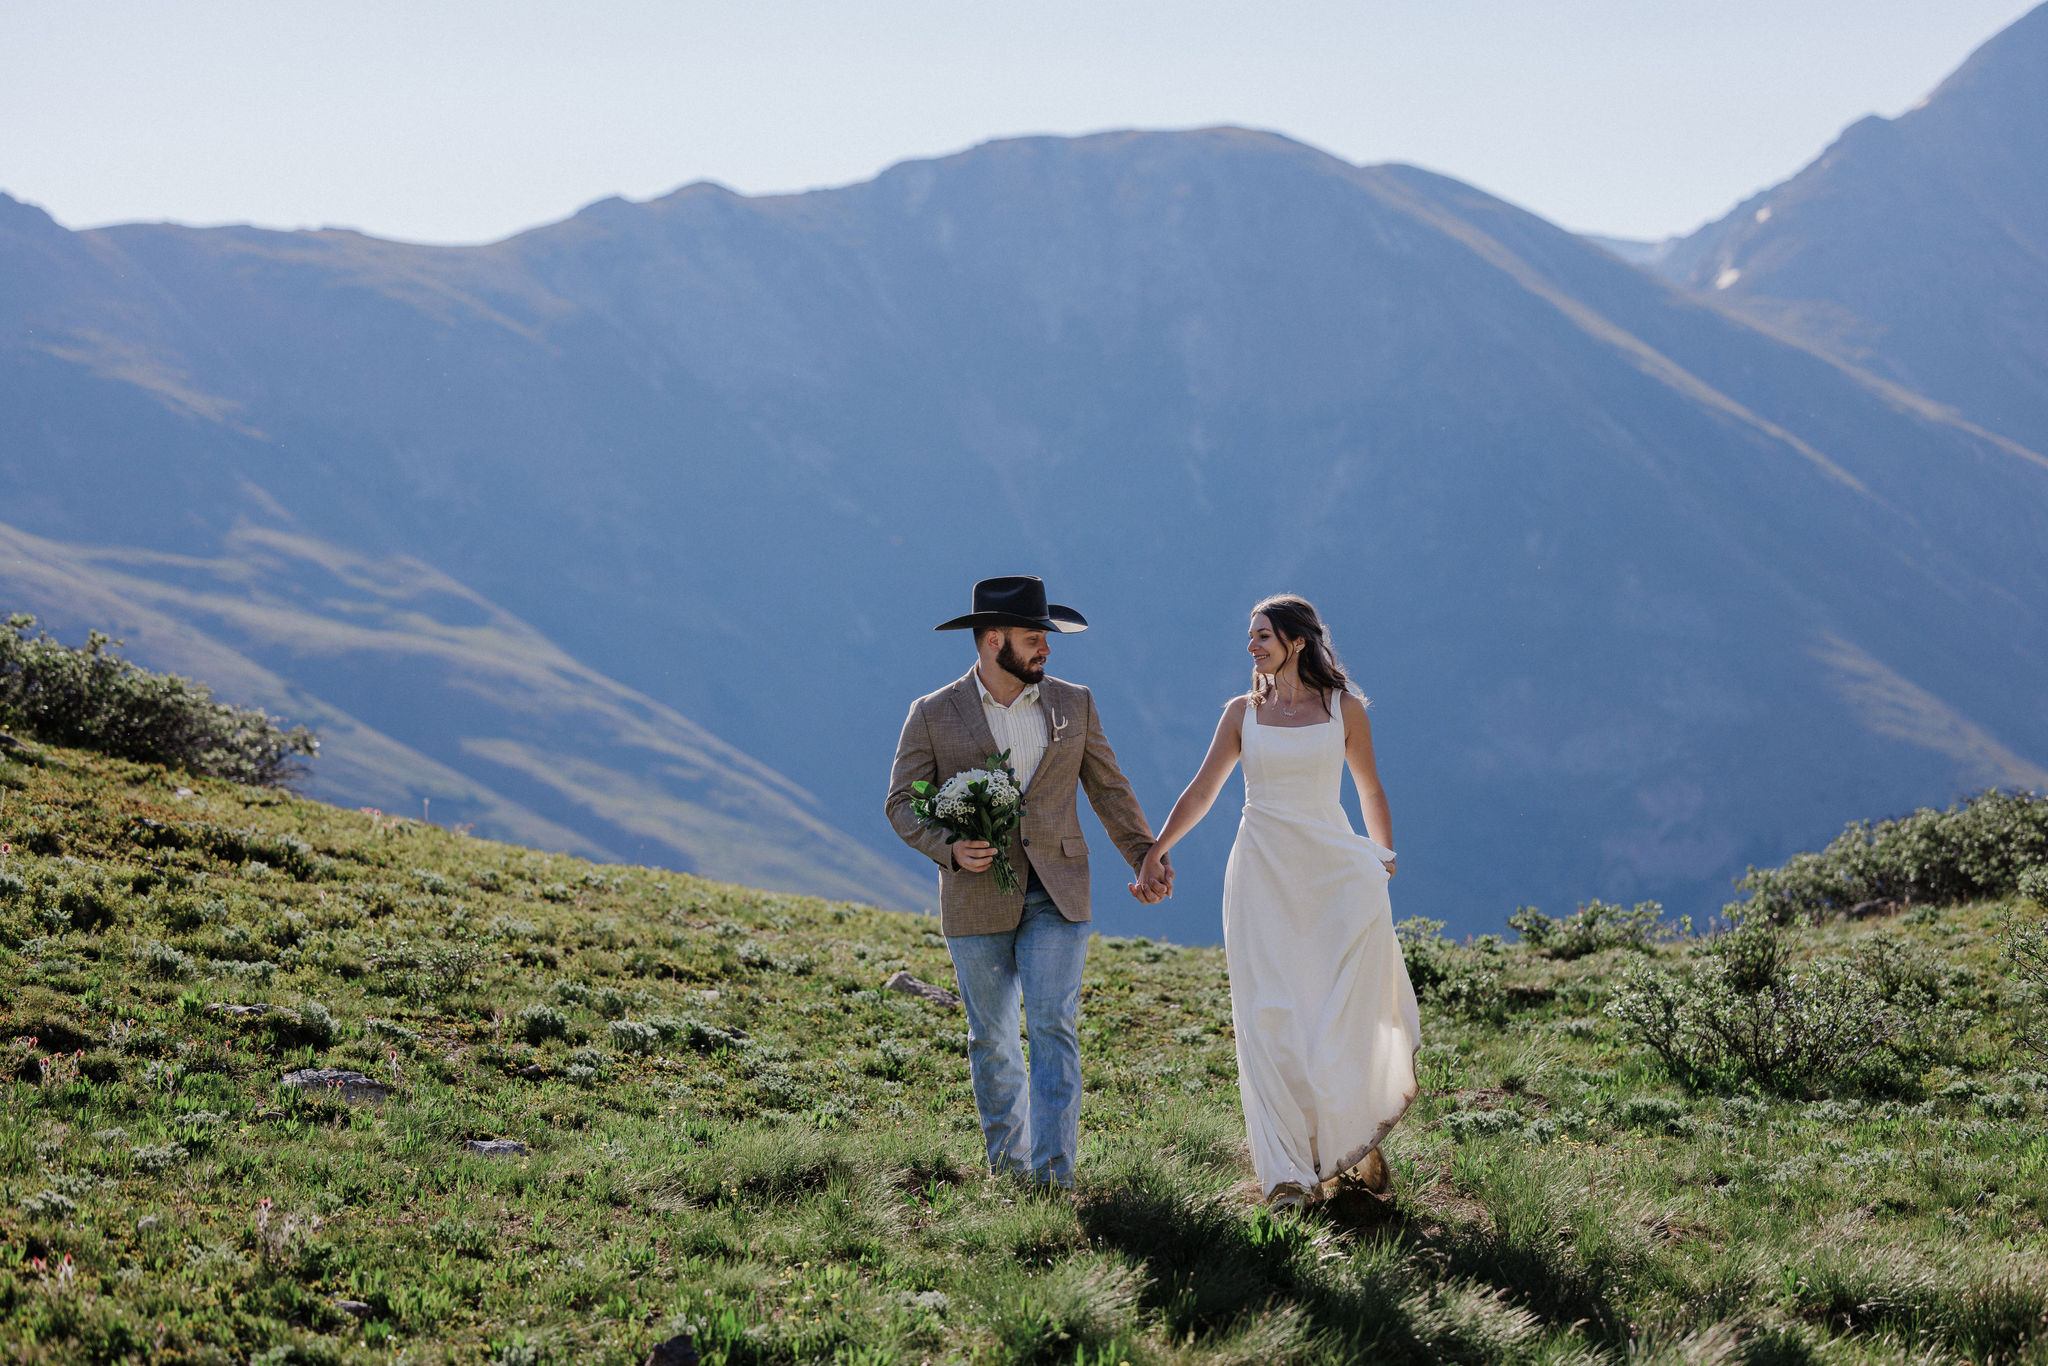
(1597, 533)
(1913, 245)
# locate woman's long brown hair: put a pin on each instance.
(1300, 628)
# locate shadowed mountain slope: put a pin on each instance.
(1917, 245)
(482, 717)
(1643, 592)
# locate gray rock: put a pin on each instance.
(679, 1350)
(244, 1012)
(352, 1087)
(924, 991)
(355, 1309)
(498, 1147)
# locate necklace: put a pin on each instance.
(1286, 710)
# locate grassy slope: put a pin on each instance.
(809, 1193)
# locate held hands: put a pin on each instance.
(1155, 875)
(1155, 879)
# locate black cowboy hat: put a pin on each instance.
(1017, 600)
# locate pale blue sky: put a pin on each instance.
(469, 119)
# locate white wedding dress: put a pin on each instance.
(1325, 1015)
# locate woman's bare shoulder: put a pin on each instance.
(1233, 710)
(1354, 708)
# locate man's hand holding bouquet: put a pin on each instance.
(979, 806)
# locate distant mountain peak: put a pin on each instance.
(1916, 246)
(2013, 61)
(21, 214)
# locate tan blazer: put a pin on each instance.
(947, 733)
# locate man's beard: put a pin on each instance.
(1017, 668)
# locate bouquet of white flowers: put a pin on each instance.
(980, 804)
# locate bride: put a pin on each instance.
(1324, 1013)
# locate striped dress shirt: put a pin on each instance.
(1018, 728)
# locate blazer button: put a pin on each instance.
(1027, 844)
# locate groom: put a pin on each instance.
(1028, 946)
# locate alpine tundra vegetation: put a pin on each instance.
(541, 1109)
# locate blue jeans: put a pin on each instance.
(1038, 964)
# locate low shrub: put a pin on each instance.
(2004, 1105)
(88, 904)
(1658, 1113)
(705, 1038)
(1461, 979)
(609, 1002)
(49, 1204)
(2032, 885)
(539, 1023)
(90, 698)
(634, 1036)
(1594, 926)
(586, 1067)
(643, 1036)
(1981, 849)
(1747, 1014)
(1469, 1124)
(2025, 941)
(159, 959)
(425, 972)
(160, 1159)
(311, 1025)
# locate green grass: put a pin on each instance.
(732, 1130)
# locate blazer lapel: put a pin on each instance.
(967, 705)
(1053, 702)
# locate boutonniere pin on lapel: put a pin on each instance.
(1059, 723)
